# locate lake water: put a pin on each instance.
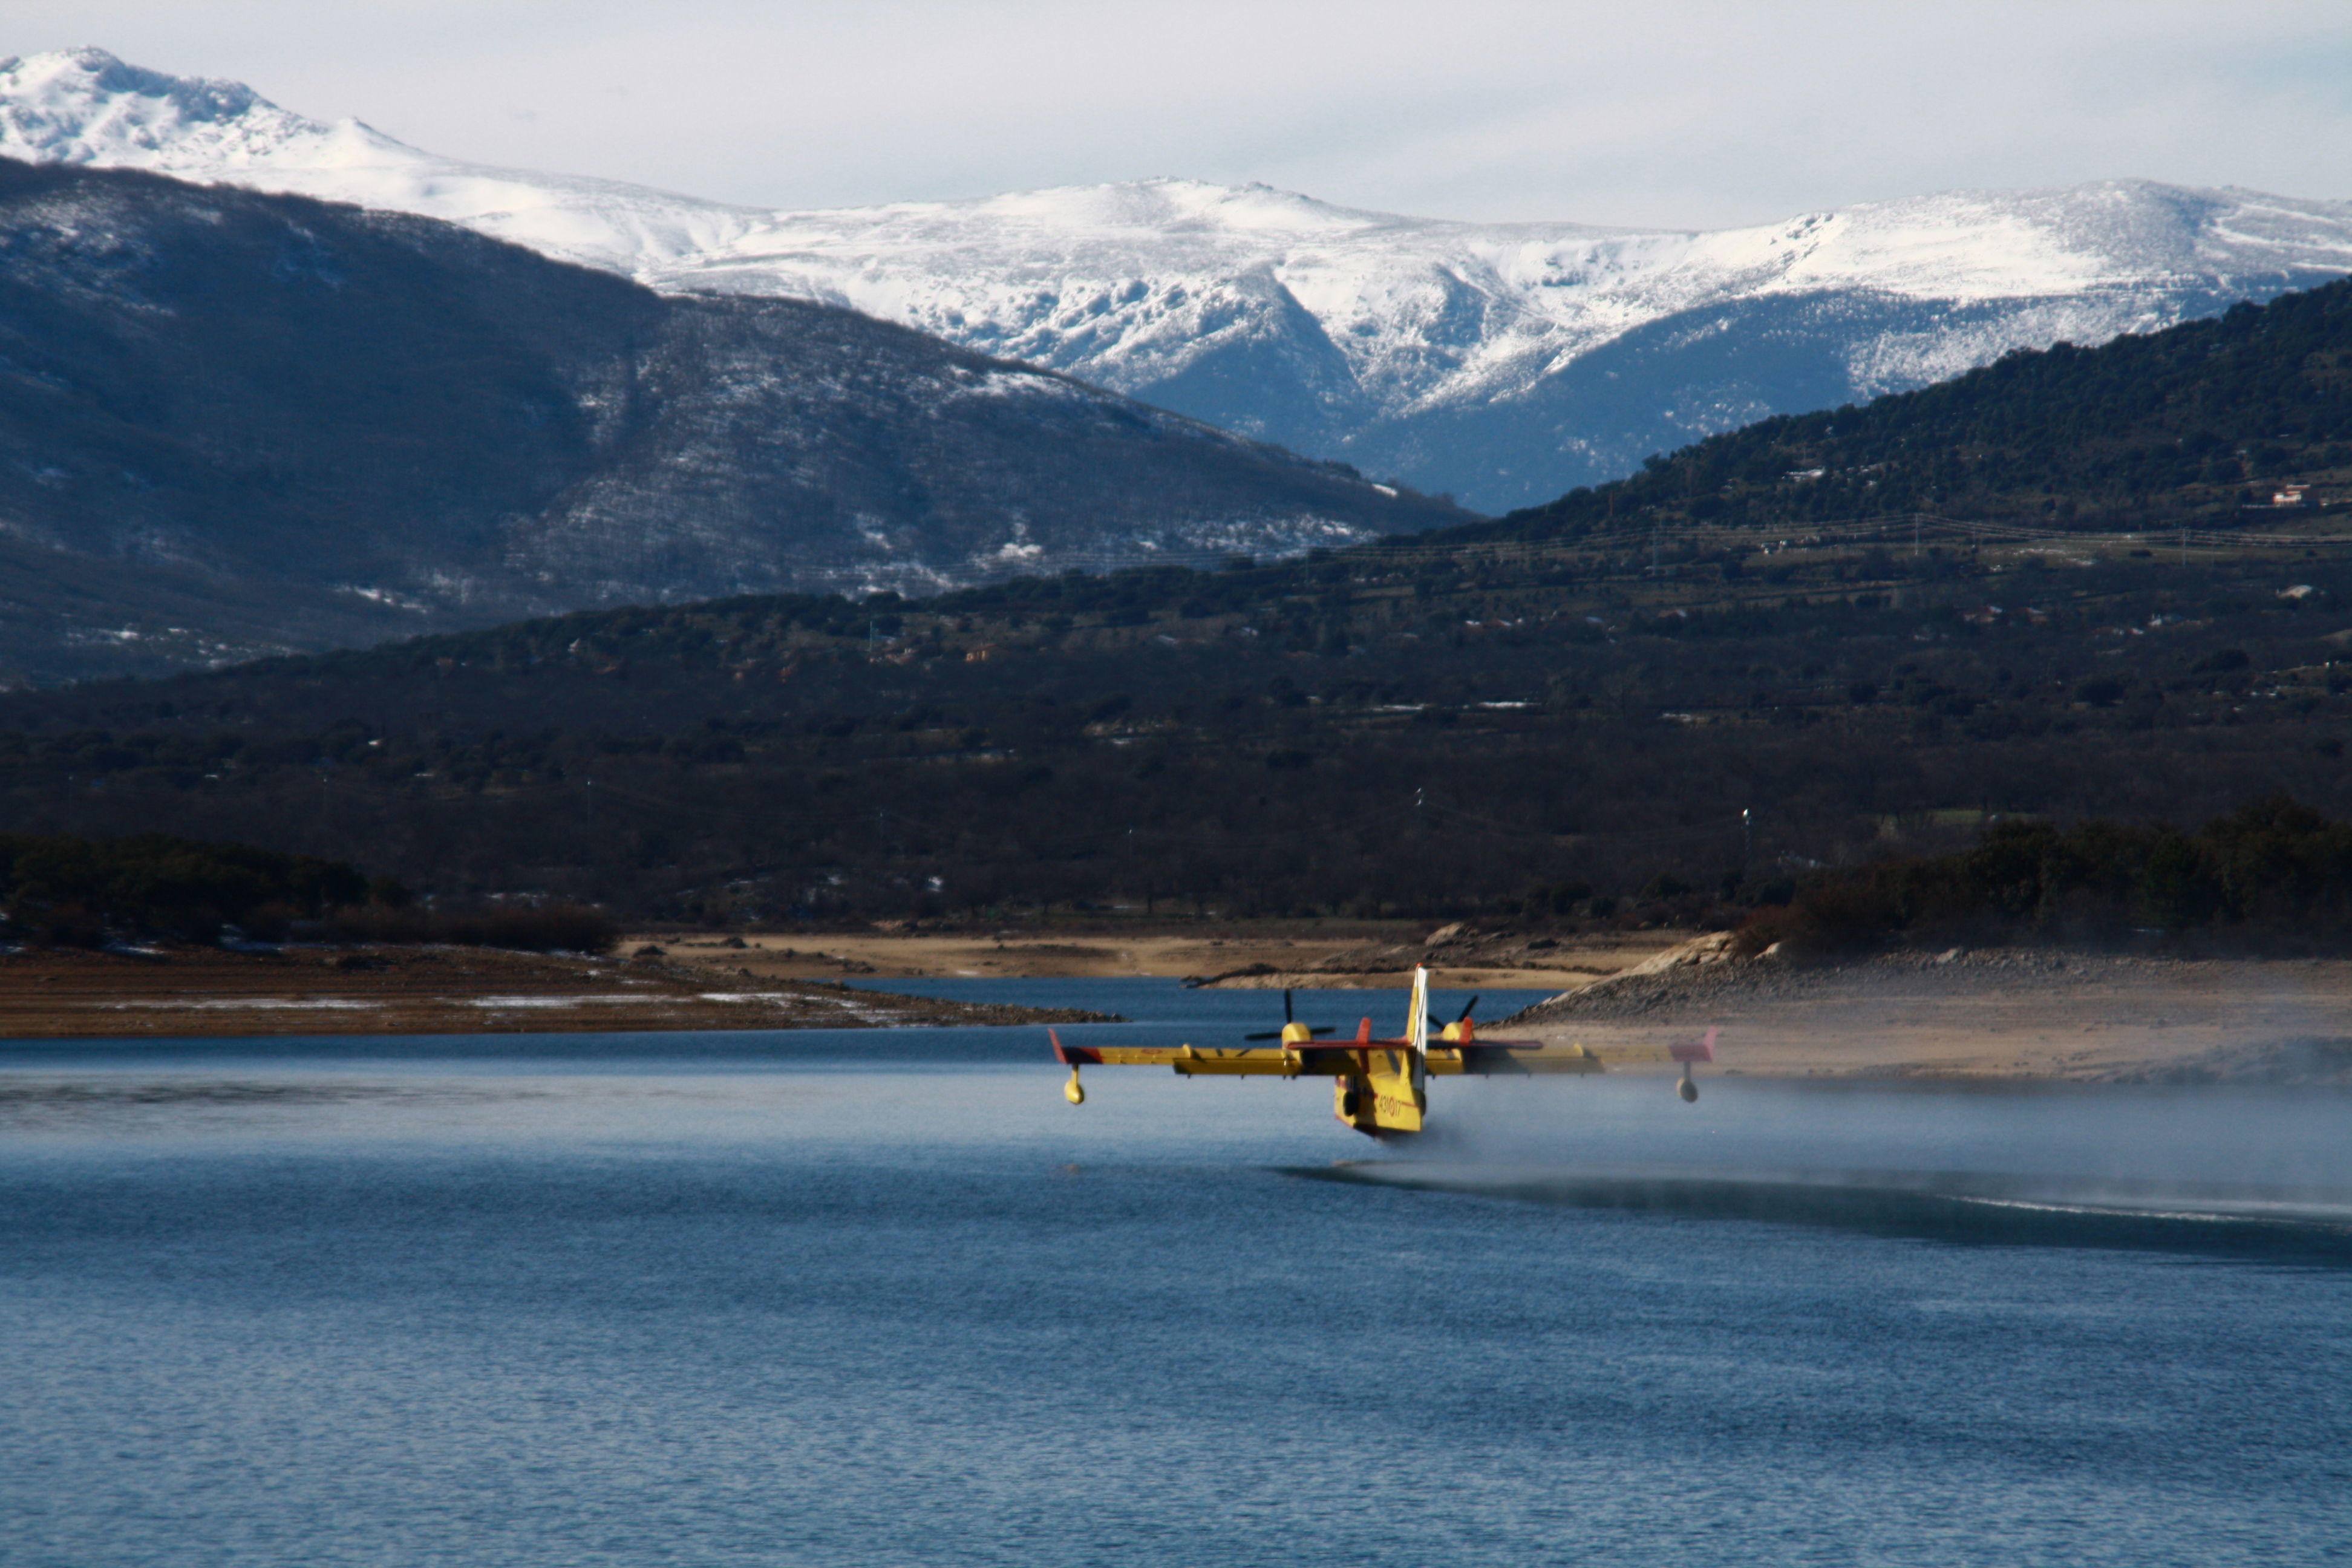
(881, 1297)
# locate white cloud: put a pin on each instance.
(1686, 113)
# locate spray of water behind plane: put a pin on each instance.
(2256, 1173)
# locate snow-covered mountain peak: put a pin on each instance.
(85, 106)
(1153, 206)
(1147, 213)
(1502, 362)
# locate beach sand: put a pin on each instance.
(1992, 1015)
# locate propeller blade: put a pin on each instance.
(1265, 1034)
(1323, 1031)
(1285, 1004)
(1465, 1009)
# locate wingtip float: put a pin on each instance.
(1381, 1088)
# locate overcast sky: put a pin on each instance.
(1672, 112)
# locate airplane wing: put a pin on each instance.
(1239, 1061)
(1484, 1058)
(1497, 1058)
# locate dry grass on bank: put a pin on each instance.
(81, 994)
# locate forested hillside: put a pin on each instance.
(2192, 426)
(1625, 723)
(1436, 742)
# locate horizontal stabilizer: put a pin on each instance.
(1702, 1052)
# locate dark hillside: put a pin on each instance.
(1325, 738)
(1621, 721)
(233, 424)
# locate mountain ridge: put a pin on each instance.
(234, 423)
(1456, 357)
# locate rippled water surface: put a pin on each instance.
(883, 1298)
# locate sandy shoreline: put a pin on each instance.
(1990, 1016)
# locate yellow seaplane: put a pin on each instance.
(1382, 1087)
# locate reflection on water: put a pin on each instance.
(886, 1299)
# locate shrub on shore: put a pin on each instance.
(60, 890)
(2272, 870)
(554, 928)
(66, 890)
